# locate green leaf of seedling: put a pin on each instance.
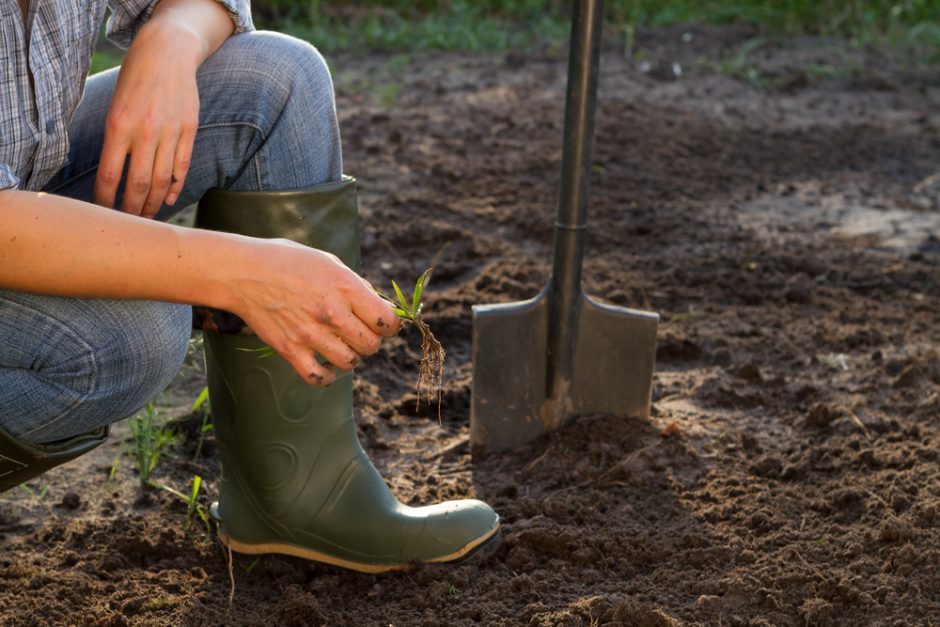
(191, 503)
(401, 297)
(401, 313)
(263, 351)
(169, 489)
(419, 291)
(202, 516)
(201, 399)
(197, 481)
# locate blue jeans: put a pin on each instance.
(267, 123)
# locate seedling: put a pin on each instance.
(431, 367)
(39, 495)
(693, 312)
(206, 427)
(150, 441)
(192, 505)
(201, 399)
(114, 464)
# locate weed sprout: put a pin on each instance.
(431, 367)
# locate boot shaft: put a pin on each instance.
(275, 432)
(325, 217)
(295, 479)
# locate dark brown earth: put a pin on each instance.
(776, 209)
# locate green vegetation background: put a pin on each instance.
(485, 24)
(400, 25)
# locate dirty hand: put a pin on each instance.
(153, 118)
(304, 302)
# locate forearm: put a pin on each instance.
(299, 300)
(206, 20)
(55, 245)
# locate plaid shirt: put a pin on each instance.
(56, 44)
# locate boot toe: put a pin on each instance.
(453, 531)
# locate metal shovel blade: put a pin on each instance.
(611, 370)
(540, 362)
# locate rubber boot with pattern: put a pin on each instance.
(295, 479)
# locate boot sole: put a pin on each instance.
(479, 548)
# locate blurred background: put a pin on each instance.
(479, 25)
(483, 24)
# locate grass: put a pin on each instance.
(693, 312)
(501, 24)
(463, 27)
(39, 495)
(862, 20)
(193, 508)
(105, 59)
(149, 441)
(739, 64)
(202, 402)
(480, 25)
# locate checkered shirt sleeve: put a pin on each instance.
(127, 16)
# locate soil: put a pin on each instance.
(777, 209)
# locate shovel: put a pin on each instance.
(540, 362)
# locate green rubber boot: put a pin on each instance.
(295, 479)
(22, 461)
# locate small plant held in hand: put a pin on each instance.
(431, 367)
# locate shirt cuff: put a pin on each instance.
(127, 18)
(8, 180)
(240, 12)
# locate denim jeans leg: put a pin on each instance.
(267, 123)
(70, 365)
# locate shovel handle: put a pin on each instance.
(571, 223)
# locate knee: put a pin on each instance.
(272, 64)
(296, 63)
(102, 361)
(141, 355)
(282, 88)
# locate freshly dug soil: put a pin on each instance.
(777, 210)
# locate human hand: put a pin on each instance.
(304, 302)
(152, 120)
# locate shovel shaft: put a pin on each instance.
(580, 103)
